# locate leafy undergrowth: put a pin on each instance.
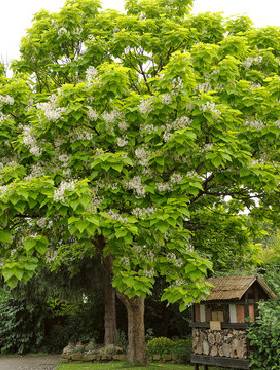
(121, 365)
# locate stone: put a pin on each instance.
(156, 358)
(214, 351)
(166, 358)
(119, 357)
(205, 347)
(90, 357)
(77, 356)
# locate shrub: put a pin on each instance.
(160, 346)
(180, 349)
(264, 337)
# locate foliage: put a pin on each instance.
(21, 325)
(180, 348)
(264, 336)
(126, 134)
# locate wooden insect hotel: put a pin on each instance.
(219, 324)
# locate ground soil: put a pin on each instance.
(29, 362)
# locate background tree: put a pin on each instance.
(140, 128)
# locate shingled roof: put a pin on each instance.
(235, 286)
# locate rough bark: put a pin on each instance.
(110, 326)
(136, 353)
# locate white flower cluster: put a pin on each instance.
(178, 262)
(145, 106)
(121, 142)
(278, 123)
(62, 31)
(149, 273)
(30, 141)
(50, 109)
(148, 128)
(211, 108)
(79, 135)
(64, 159)
(164, 186)
(175, 178)
(125, 261)
(142, 155)
(204, 86)
(2, 117)
(51, 256)
(177, 83)
(166, 99)
(178, 124)
(252, 61)
(7, 100)
(208, 147)
(92, 114)
(143, 212)
(91, 73)
(42, 222)
(110, 117)
(256, 124)
(36, 171)
(178, 283)
(136, 185)
(116, 216)
(123, 126)
(3, 189)
(64, 186)
(96, 201)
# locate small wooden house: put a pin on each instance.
(219, 324)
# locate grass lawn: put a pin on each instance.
(121, 365)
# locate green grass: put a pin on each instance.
(120, 365)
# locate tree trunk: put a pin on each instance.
(110, 326)
(136, 330)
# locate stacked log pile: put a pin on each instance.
(228, 343)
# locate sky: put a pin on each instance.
(16, 16)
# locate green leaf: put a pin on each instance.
(6, 237)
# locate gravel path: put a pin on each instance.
(29, 362)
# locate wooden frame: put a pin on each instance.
(220, 361)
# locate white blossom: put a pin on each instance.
(110, 117)
(42, 222)
(257, 124)
(149, 273)
(278, 123)
(50, 109)
(164, 186)
(143, 212)
(166, 99)
(142, 155)
(208, 146)
(30, 141)
(125, 261)
(91, 73)
(3, 189)
(36, 171)
(92, 114)
(51, 256)
(205, 86)
(135, 184)
(62, 31)
(116, 216)
(252, 61)
(176, 178)
(7, 99)
(178, 124)
(210, 107)
(121, 142)
(145, 106)
(64, 186)
(64, 159)
(123, 126)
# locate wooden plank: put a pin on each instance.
(251, 312)
(197, 313)
(220, 361)
(232, 313)
(206, 325)
(240, 313)
(202, 313)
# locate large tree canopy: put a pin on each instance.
(140, 135)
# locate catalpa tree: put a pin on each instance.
(124, 134)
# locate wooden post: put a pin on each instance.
(205, 367)
(196, 367)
